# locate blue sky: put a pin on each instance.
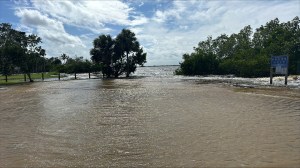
(166, 29)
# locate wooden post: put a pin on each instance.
(6, 78)
(285, 79)
(271, 75)
(59, 76)
(89, 75)
(25, 77)
(287, 72)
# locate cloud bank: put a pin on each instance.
(165, 30)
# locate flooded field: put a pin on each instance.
(151, 120)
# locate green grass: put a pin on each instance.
(19, 78)
(10, 82)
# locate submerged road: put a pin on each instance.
(146, 122)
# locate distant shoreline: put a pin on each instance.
(159, 65)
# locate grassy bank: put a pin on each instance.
(19, 78)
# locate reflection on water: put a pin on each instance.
(153, 121)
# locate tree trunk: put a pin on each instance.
(29, 76)
(116, 74)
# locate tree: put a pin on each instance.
(32, 53)
(18, 50)
(64, 57)
(102, 53)
(129, 47)
(140, 57)
(11, 47)
(52, 64)
(246, 54)
(277, 38)
(119, 55)
(76, 65)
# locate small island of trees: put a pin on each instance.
(119, 55)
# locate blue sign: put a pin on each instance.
(279, 61)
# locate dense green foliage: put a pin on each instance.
(78, 65)
(119, 55)
(245, 54)
(18, 50)
(21, 53)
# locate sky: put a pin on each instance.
(165, 29)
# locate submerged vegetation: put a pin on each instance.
(245, 54)
(119, 55)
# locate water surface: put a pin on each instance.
(151, 120)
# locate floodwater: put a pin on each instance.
(151, 120)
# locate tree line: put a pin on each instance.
(21, 53)
(113, 57)
(247, 53)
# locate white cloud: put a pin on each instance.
(171, 29)
(49, 18)
(21, 2)
(162, 45)
(55, 38)
(173, 13)
(35, 18)
(141, 4)
(176, 30)
(24, 28)
(138, 20)
(93, 15)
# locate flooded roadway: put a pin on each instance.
(150, 121)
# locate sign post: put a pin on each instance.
(271, 75)
(298, 67)
(281, 66)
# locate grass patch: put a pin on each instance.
(19, 78)
(11, 82)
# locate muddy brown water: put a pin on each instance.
(146, 122)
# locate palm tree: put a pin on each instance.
(64, 57)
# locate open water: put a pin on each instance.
(153, 119)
